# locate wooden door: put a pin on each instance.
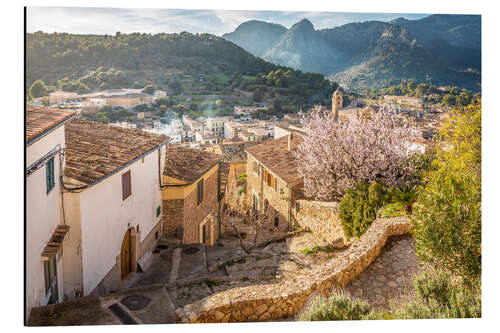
(125, 255)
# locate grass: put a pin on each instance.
(316, 249)
(242, 176)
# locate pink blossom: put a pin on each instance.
(334, 155)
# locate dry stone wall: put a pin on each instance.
(273, 301)
(322, 218)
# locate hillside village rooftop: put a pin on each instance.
(275, 156)
(235, 152)
(188, 164)
(95, 150)
(39, 120)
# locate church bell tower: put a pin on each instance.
(336, 103)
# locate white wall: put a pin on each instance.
(43, 214)
(279, 132)
(105, 218)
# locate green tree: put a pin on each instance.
(359, 206)
(449, 100)
(102, 117)
(448, 216)
(149, 89)
(37, 89)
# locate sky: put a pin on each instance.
(80, 20)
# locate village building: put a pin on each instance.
(273, 182)
(45, 227)
(190, 195)
(236, 158)
(215, 126)
(111, 203)
(405, 100)
(206, 138)
(232, 129)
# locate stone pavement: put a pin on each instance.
(390, 275)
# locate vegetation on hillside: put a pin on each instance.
(192, 68)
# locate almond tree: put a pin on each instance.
(335, 155)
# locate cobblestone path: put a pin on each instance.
(390, 275)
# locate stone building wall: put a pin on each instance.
(173, 215)
(194, 214)
(255, 185)
(322, 218)
(273, 301)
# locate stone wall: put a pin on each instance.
(284, 299)
(172, 215)
(267, 195)
(322, 218)
(194, 213)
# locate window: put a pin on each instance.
(199, 192)
(158, 211)
(126, 185)
(49, 167)
(255, 167)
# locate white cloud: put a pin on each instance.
(127, 20)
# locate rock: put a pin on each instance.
(219, 315)
(260, 309)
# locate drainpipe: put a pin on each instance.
(289, 207)
(219, 200)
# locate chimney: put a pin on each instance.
(291, 142)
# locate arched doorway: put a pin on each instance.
(126, 255)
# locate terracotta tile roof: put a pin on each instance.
(55, 241)
(235, 152)
(96, 150)
(42, 119)
(188, 164)
(275, 156)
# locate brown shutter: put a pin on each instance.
(126, 185)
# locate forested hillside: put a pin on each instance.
(183, 64)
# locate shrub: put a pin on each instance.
(438, 297)
(392, 210)
(448, 218)
(358, 208)
(242, 176)
(336, 307)
(406, 196)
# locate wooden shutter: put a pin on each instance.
(126, 185)
(199, 192)
(49, 167)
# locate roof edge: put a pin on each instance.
(49, 130)
(120, 168)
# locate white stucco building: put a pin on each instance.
(112, 203)
(45, 226)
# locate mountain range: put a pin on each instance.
(441, 49)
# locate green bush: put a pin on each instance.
(448, 215)
(406, 196)
(336, 307)
(392, 210)
(437, 297)
(359, 206)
